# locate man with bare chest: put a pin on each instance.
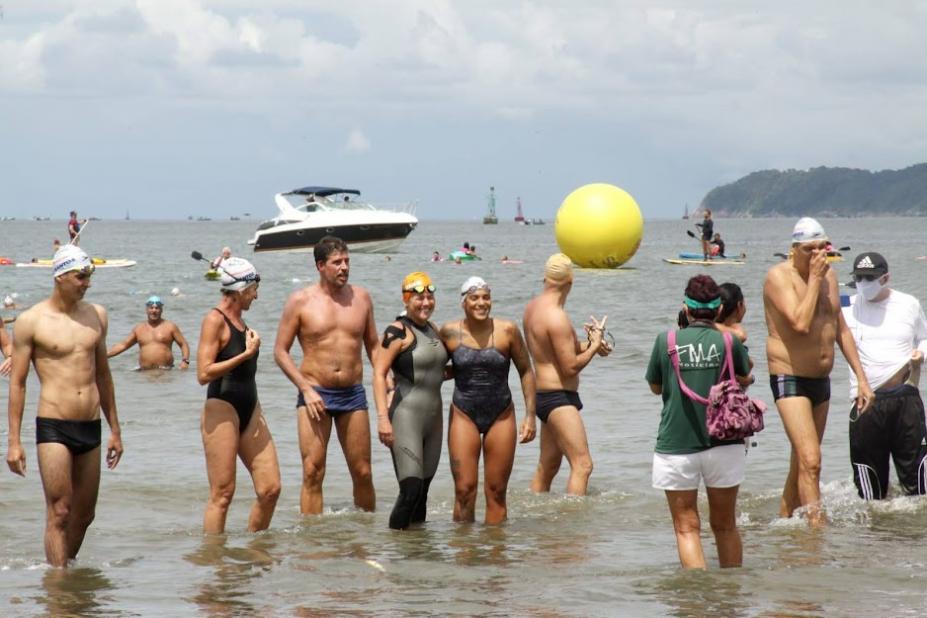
(65, 338)
(333, 321)
(802, 306)
(155, 339)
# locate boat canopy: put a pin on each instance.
(322, 191)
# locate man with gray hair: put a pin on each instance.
(890, 331)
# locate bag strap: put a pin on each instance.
(674, 354)
(728, 358)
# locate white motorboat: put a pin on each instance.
(308, 214)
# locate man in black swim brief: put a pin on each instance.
(548, 401)
(65, 338)
(815, 389)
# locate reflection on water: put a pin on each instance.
(702, 593)
(231, 591)
(78, 591)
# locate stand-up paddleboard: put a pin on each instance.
(97, 262)
(702, 262)
(700, 256)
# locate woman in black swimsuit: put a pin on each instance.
(232, 424)
(482, 415)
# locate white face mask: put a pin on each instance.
(869, 289)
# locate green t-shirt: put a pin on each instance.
(701, 358)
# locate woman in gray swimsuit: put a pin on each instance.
(482, 415)
(233, 424)
(410, 422)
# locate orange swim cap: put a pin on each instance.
(416, 283)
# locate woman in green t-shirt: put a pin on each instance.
(685, 454)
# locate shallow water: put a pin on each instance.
(612, 553)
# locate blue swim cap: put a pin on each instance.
(154, 300)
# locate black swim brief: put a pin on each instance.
(815, 389)
(547, 401)
(79, 436)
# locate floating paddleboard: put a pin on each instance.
(98, 262)
(701, 262)
(699, 256)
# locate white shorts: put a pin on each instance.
(720, 467)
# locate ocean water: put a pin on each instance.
(611, 553)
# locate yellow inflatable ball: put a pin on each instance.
(599, 226)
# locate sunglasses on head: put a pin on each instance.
(420, 288)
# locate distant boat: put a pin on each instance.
(519, 215)
(685, 215)
(127, 215)
(537, 221)
(234, 218)
(490, 218)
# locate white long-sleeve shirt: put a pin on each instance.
(886, 334)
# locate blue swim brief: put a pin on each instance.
(339, 400)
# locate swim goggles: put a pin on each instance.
(420, 288)
(249, 278)
(473, 289)
(85, 272)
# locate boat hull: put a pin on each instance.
(374, 238)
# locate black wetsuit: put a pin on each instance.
(418, 425)
(238, 386)
(481, 383)
(708, 229)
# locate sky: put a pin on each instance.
(173, 108)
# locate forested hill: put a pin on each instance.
(823, 192)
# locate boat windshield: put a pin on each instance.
(317, 203)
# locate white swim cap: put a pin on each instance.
(808, 230)
(471, 285)
(237, 274)
(68, 258)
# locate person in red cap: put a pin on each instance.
(890, 331)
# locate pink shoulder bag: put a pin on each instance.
(729, 413)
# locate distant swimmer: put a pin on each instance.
(74, 227)
(333, 321)
(65, 338)
(890, 331)
(506, 260)
(435, 257)
(411, 422)
(482, 415)
(232, 424)
(224, 255)
(558, 359)
(802, 305)
(155, 338)
(708, 228)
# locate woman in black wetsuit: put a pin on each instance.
(232, 424)
(410, 423)
(482, 415)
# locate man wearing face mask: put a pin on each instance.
(890, 332)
